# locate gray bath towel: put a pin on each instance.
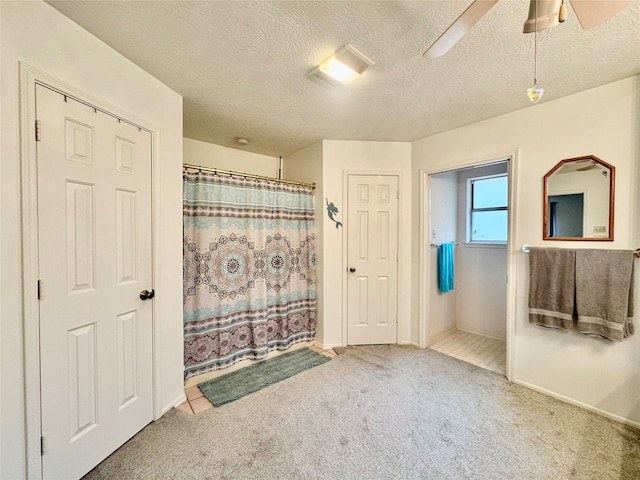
(604, 292)
(552, 287)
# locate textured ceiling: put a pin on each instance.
(242, 66)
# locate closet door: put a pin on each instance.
(94, 221)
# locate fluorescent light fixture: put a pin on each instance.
(338, 70)
(344, 66)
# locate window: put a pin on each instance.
(487, 218)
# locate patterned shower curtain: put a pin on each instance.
(249, 269)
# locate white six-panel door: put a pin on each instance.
(372, 259)
(94, 220)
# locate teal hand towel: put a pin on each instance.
(445, 267)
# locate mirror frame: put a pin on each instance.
(545, 200)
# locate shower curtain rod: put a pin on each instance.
(247, 175)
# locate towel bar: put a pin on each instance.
(636, 252)
(438, 244)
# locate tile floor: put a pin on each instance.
(196, 402)
(481, 351)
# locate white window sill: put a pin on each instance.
(484, 245)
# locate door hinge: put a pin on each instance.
(38, 133)
(42, 445)
(39, 289)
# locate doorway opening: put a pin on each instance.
(468, 212)
(566, 215)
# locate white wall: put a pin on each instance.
(339, 158)
(35, 33)
(224, 158)
(306, 166)
(444, 228)
(1, 252)
(2, 233)
(603, 122)
(481, 270)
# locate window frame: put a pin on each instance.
(471, 210)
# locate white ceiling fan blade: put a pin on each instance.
(594, 12)
(459, 28)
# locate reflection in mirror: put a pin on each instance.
(578, 200)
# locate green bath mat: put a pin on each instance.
(235, 385)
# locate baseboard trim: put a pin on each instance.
(327, 346)
(449, 331)
(181, 399)
(571, 401)
(482, 334)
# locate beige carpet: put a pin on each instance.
(385, 412)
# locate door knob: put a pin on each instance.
(352, 270)
(147, 295)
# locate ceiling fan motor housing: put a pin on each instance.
(543, 14)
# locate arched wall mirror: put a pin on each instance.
(578, 200)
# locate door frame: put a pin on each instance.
(29, 77)
(570, 191)
(403, 324)
(426, 267)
